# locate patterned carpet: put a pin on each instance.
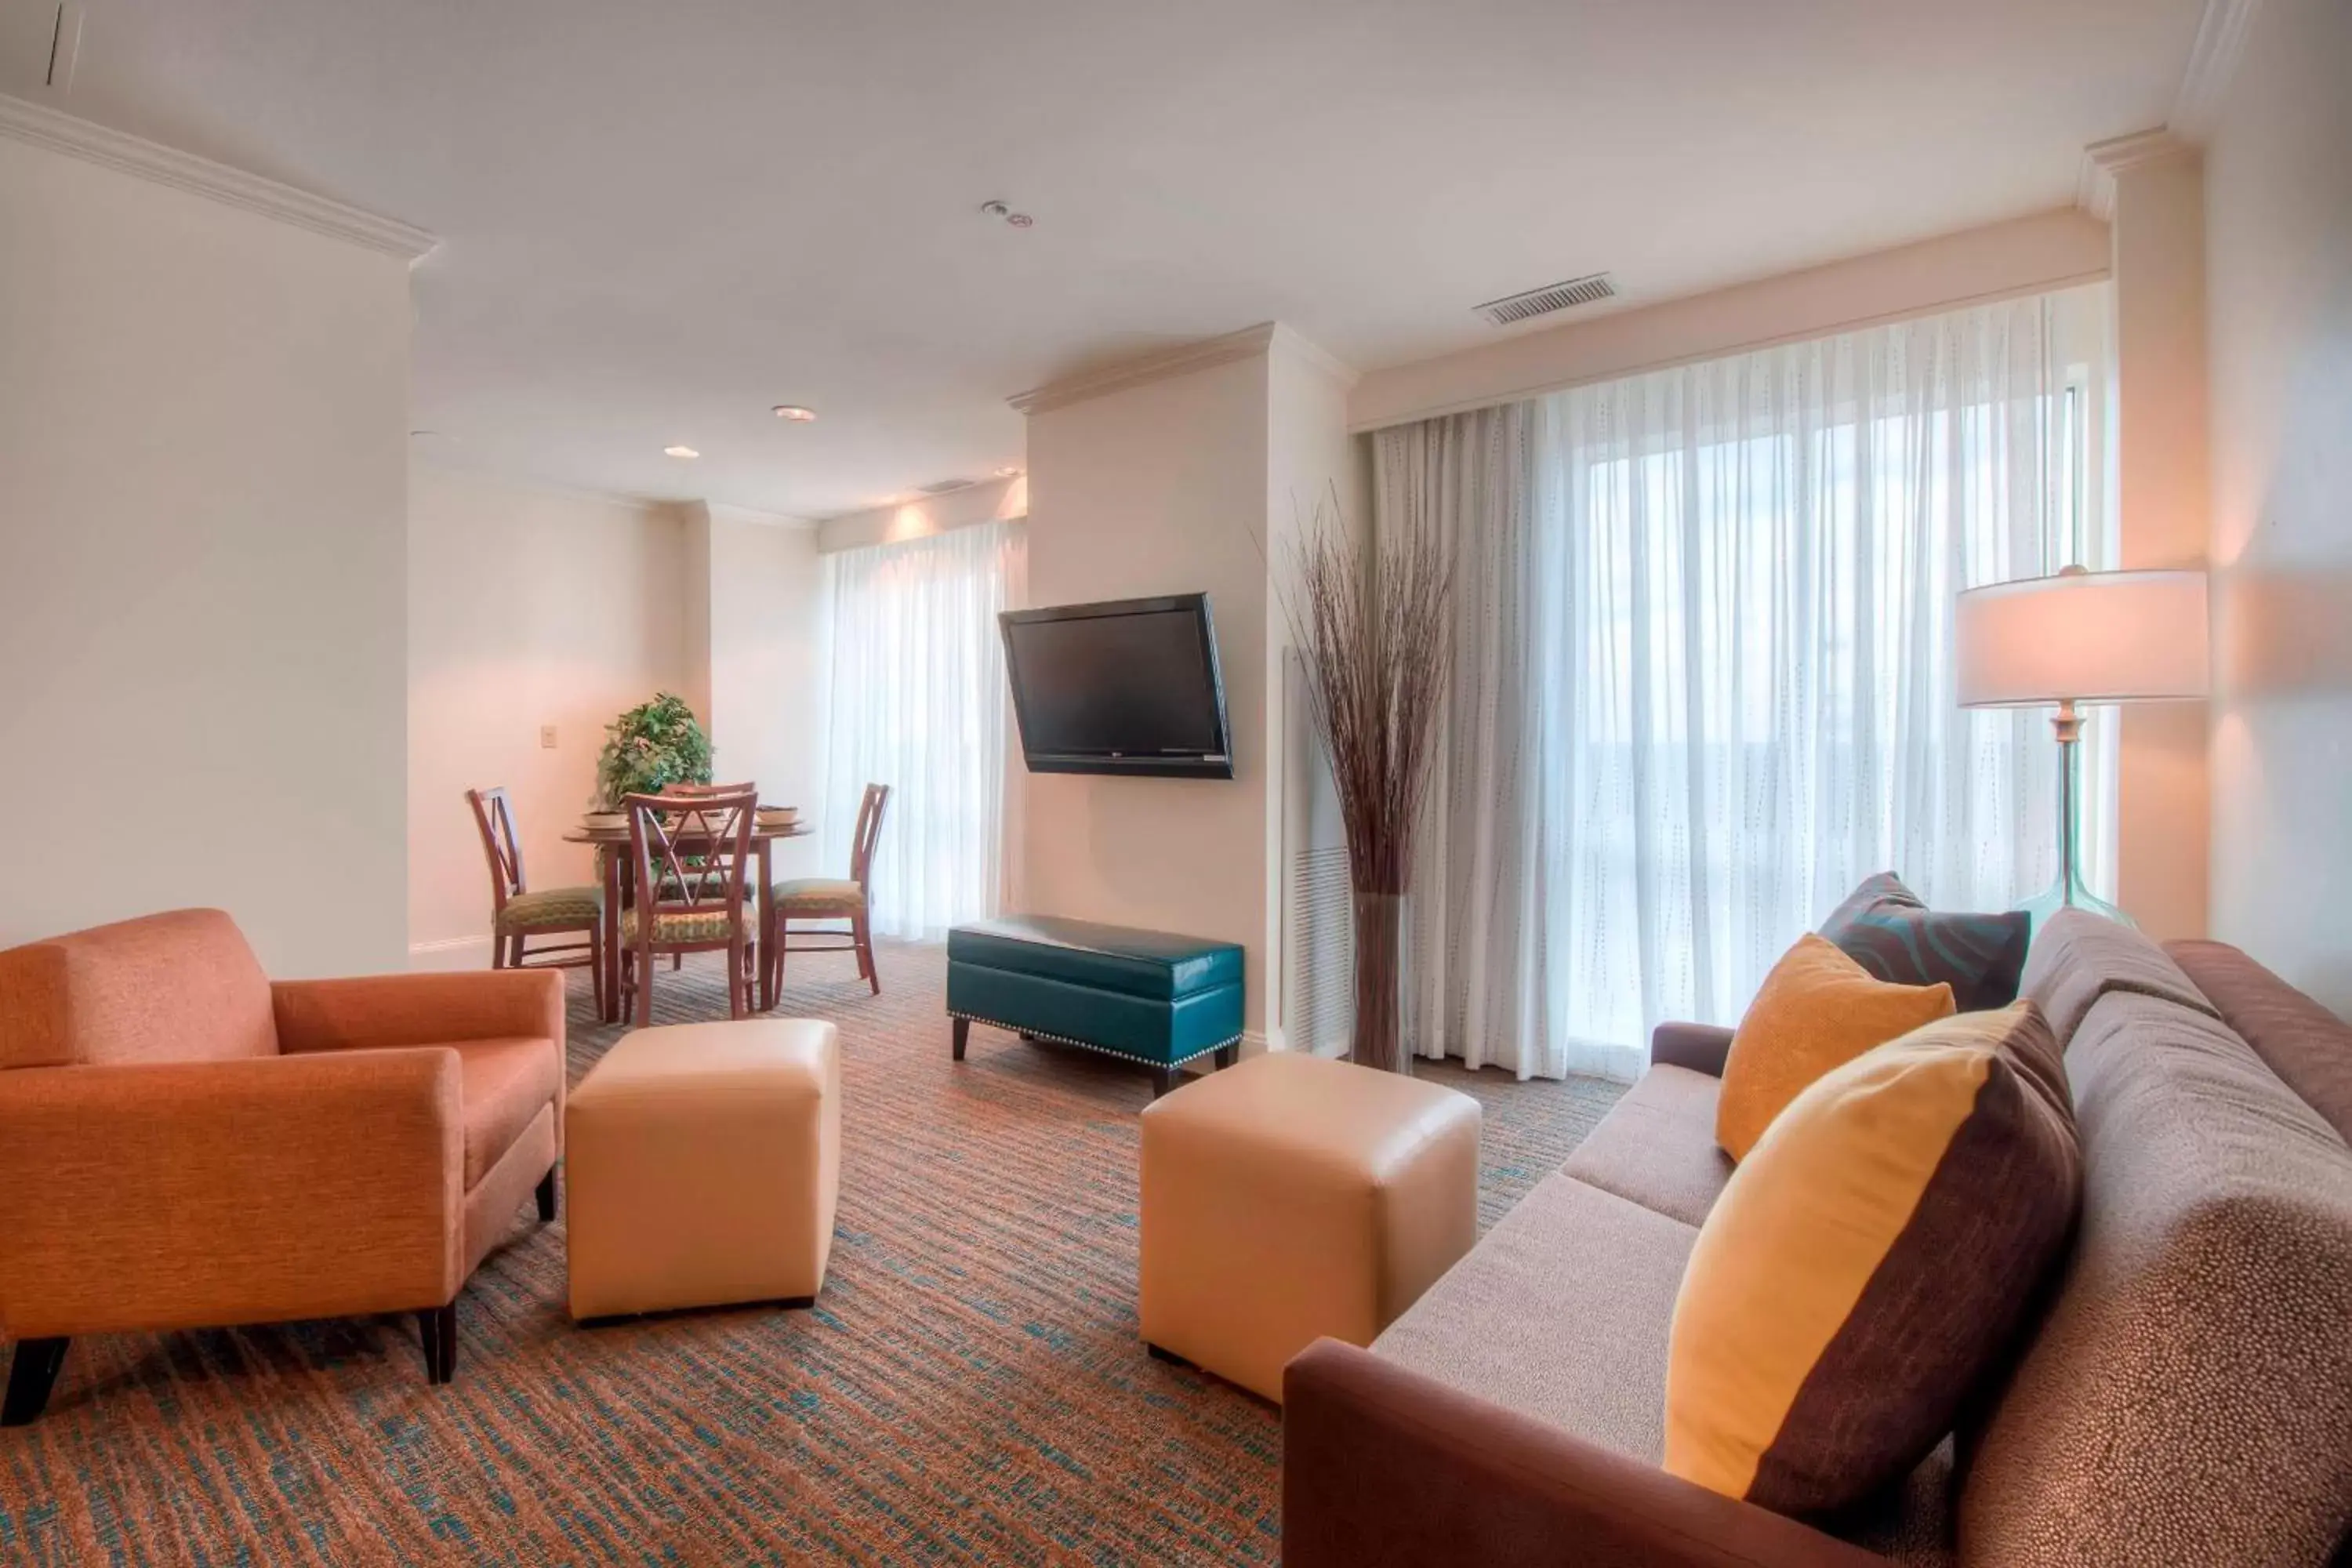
(970, 1387)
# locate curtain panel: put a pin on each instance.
(918, 702)
(1704, 679)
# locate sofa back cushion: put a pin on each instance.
(2309, 1047)
(182, 986)
(2188, 1396)
(2078, 957)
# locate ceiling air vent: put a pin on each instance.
(1552, 297)
(944, 486)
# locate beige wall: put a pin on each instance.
(2160, 493)
(766, 704)
(2278, 194)
(1175, 480)
(526, 607)
(202, 476)
(997, 501)
(1158, 488)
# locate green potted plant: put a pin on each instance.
(650, 747)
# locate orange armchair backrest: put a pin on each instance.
(177, 987)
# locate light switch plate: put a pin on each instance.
(547, 737)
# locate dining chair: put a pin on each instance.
(827, 899)
(519, 914)
(690, 858)
(681, 787)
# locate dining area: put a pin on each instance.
(684, 868)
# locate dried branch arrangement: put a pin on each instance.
(1374, 628)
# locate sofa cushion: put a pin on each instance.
(176, 987)
(1885, 927)
(2079, 957)
(2188, 1396)
(1817, 1009)
(504, 1085)
(1560, 1313)
(1656, 1146)
(1870, 1264)
(2309, 1047)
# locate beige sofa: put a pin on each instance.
(2184, 1399)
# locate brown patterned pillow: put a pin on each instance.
(1883, 926)
(1870, 1264)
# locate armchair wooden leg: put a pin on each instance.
(546, 1196)
(1228, 1055)
(1163, 1080)
(963, 1033)
(32, 1372)
(438, 1326)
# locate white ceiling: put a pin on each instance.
(660, 218)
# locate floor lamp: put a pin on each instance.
(2076, 639)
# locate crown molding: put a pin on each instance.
(41, 126)
(722, 511)
(2095, 187)
(1316, 355)
(2212, 61)
(1247, 343)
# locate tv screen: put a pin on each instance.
(1125, 688)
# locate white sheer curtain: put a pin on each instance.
(1705, 681)
(919, 703)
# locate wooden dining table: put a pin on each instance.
(619, 875)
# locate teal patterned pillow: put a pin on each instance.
(1884, 928)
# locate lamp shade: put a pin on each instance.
(2082, 637)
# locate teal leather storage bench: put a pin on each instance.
(1148, 995)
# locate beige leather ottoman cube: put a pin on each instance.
(701, 1166)
(1289, 1197)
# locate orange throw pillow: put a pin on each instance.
(1818, 1010)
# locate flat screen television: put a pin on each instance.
(1129, 687)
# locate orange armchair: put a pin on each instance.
(183, 1143)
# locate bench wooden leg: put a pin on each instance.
(1165, 1079)
(963, 1033)
(1228, 1055)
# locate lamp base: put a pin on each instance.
(2069, 892)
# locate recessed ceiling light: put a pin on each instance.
(679, 452)
(1008, 472)
(796, 412)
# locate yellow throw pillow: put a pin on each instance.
(1871, 1264)
(1818, 1009)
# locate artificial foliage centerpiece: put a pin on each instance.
(650, 747)
(1374, 626)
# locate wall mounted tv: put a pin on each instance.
(1125, 688)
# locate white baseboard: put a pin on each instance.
(450, 953)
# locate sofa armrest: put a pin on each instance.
(1701, 1047)
(1383, 1466)
(177, 1194)
(380, 1010)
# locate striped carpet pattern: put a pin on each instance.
(968, 1389)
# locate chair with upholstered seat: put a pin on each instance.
(186, 1144)
(519, 914)
(829, 899)
(690, 859)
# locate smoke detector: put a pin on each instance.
(1551, 297)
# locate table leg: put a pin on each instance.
(611, 957)
(766, 965)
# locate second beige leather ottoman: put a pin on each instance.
(1289, 1197)
(702, 1162)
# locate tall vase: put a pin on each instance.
(1379, 1040)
